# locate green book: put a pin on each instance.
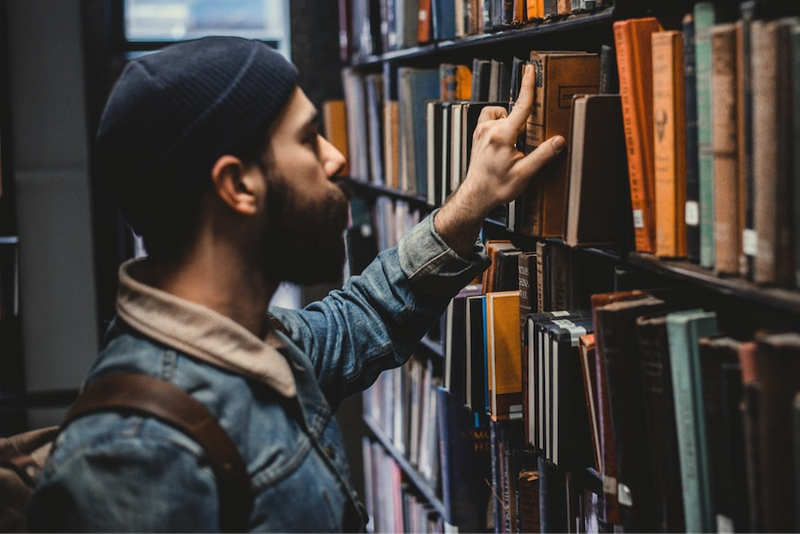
(684, 329)
(704, 18)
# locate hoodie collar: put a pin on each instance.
(201, 332)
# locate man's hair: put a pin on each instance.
(173, 114)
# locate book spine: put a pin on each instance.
(692, 209)
(704, 17)
(668, 150)
(634, 66)
(727, 245)
(744, 99)
(684, 329)
(765, 150)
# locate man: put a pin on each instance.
(215, 156)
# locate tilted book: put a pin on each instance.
(559, 76)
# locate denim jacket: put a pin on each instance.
(275, 397)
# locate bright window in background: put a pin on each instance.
(177, 20)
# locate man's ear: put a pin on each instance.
(235, 184)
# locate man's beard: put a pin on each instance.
(304, 244)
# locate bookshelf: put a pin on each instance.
(751, 315)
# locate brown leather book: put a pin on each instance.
(560, 75)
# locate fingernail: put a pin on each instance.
(559, 143)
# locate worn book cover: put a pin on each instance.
(596, 164)
(559, 76)
(669, 149)
(632, 38)
(727, 193)
(684, 330)
(503, 355)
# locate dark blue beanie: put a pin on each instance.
(173, 113)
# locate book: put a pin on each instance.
(632, 38)
(727, 197)
(744, 137)
(608, 471)
(334, 125)
(475, 368)
(373, 94)
(586, 348)
(490, 275)
(455, 343)
(464, 455)
(596, 163)
(704, 19)
(391, 127)
(503, 355)
(776, 367)
(654, 360)
(615, 325)
(692, 208)
(415, 87)
(722, 397)
(559, 76)
(669, 149)
(571, 431)
(684, 329)
(772, 160)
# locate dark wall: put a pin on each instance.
(315, 48)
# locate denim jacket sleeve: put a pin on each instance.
(375, 320)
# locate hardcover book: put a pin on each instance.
(503, 355)
(684, 329)
(615, 326)
(669, 149)
(596, 172)
(632, 38)
(559, 76)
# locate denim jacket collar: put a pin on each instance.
(200, 331)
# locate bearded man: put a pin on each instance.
(213, 151)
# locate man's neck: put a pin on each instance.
(221, 283)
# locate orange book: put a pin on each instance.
(632, 38)
(334, 123)
(669, 146)
(519, 12)
(504, 355)
(424, 27)
(535, 9)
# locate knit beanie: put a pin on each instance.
(173, 113)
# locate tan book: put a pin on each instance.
(504, 355)
(669, 147)
(334, 124)
(727, 198)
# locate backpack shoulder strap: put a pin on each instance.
(147, 395)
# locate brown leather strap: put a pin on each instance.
(147, 395)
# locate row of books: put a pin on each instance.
(711, 111)
(375, 27)
(403, 405)
(689, 428)
(410, 129)
(392, 503)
